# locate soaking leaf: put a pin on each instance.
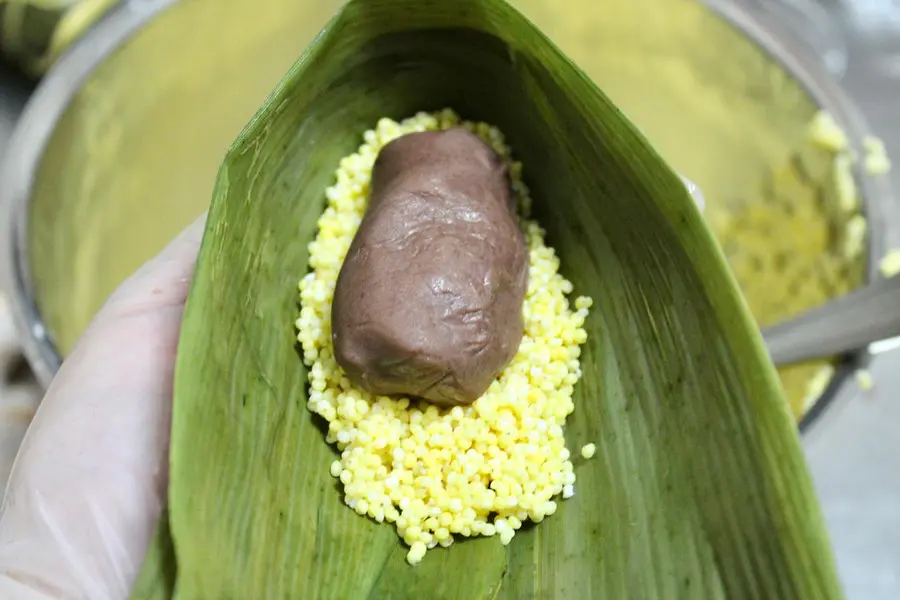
(698, 489)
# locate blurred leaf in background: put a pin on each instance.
(35, 33)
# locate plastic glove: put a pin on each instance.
(90, 479)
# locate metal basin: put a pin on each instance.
(119, 147)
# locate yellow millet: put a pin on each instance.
(855, 239)
(483, 469)
(876, 161)
(845, 184)
(864, 380)
(588, 451)
(826, 133)
(817, 386)
(890, 264)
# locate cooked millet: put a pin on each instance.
(826, 133)
(876, 161)
(864, 380)
(890, 264)
(817, 385)
(855, 236)
(477, 470)
(844, 183)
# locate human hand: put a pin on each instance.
(91, 476)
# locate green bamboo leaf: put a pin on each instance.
(156, 580)
(699, 488)
(35, 33)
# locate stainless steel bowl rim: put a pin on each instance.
(22, 161)
(54, 93)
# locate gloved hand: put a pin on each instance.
(90, 479)
(91, 475)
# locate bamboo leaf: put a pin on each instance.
(699, 488)
(156, 581)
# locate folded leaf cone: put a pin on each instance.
(699, 488)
